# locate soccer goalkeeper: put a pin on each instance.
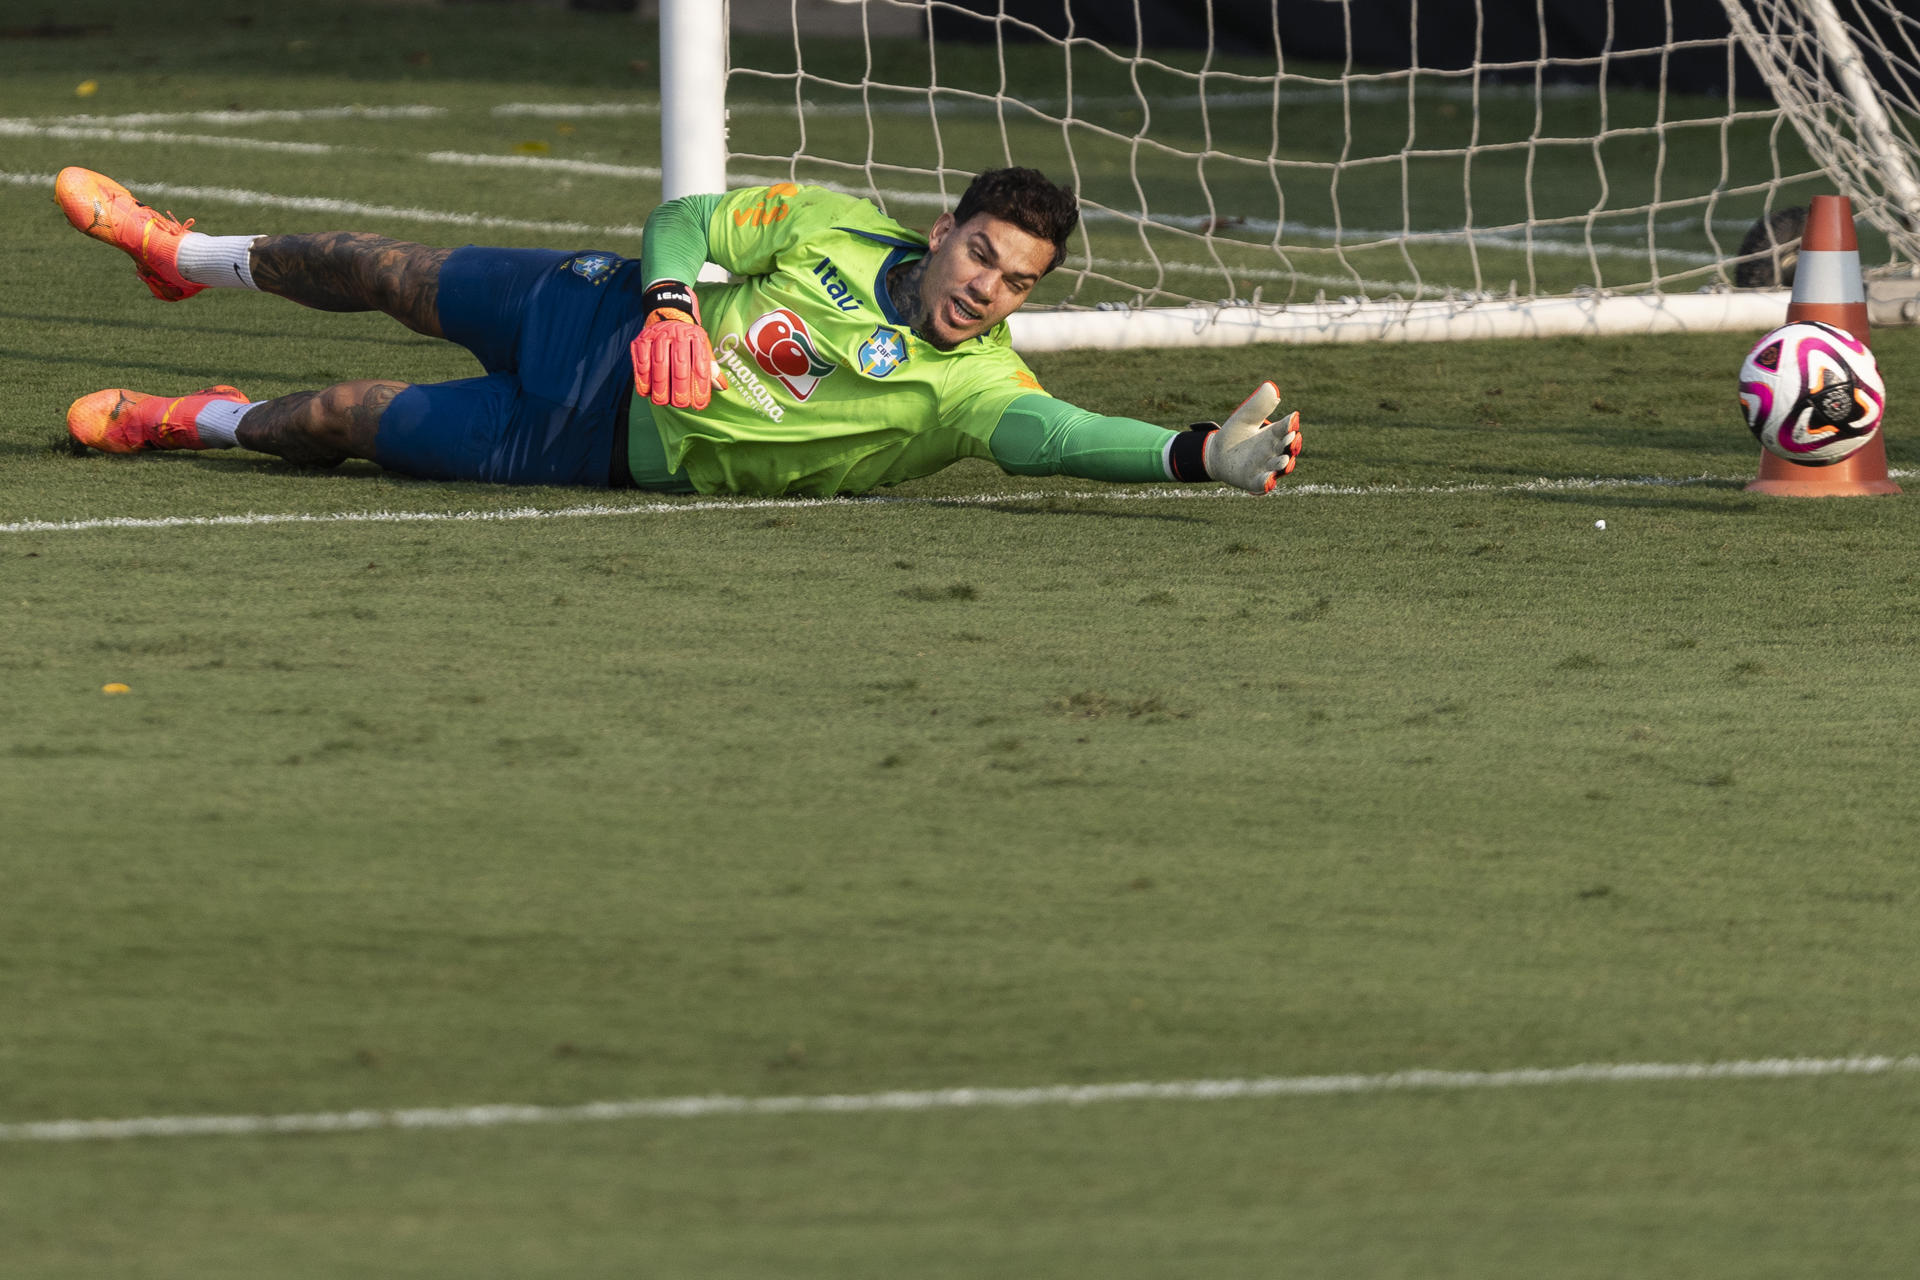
(846, 352)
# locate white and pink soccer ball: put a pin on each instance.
(1812, 393)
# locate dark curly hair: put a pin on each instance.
(1029, 201)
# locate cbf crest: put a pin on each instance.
(594, 268)
(882, 353)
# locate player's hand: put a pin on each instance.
(1249, 451)
(673, 360)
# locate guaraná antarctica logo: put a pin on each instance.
(783, 347)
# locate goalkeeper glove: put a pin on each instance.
(673, 358)
(1248, 451)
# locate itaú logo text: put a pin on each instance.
(782, 346)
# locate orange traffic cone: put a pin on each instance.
(1827, 287)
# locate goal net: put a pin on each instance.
(1361, 169)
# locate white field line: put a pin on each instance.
(1545, 242)
(1548, 241)
(897, 99)
(124, 129)
(695, 1107)
(661, 508)
(168, 191)
(907, 99)
(138, 119)
(355, 209)
(592, 168)
(578, 110)
(102, 133)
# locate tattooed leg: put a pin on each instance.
(350, 271)
(320, 428)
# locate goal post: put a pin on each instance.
(693, 98)
(1340, 170)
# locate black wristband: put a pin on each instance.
(1187, 459)
(667, 293)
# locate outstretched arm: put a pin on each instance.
(1040, 436)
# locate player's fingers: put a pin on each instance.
(1255, 408)
(682, 374)
(662, 370)
(707, 358)
(703, 369)
(642, 351)
(1283, 432)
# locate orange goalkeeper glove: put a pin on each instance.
(1250, 452)
(673, 358)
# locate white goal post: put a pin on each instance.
(1341, 170)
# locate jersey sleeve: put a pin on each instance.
(674, 246)
(1037, 435)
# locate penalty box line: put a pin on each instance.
(1150, 494)
(695, 1107)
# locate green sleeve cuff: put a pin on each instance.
(675, 246)
(1041, 436)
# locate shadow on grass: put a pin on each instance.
(1040, 508)
(1672, 499)
(1677, 466)
(53, 446)
(242, 462)
(195, 374)
(400, 336)
(222, 462)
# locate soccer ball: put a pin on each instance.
(1811, 393)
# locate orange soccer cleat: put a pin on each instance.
(120, 421)
(107, 211)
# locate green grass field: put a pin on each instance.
(988, 783)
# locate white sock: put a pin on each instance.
(216, 260)
(219, 420)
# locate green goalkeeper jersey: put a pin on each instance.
(818, 362)
(829, 389)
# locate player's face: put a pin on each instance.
(977, 274)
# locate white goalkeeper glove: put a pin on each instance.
(1250, 452)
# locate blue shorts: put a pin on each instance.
(552, 329)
